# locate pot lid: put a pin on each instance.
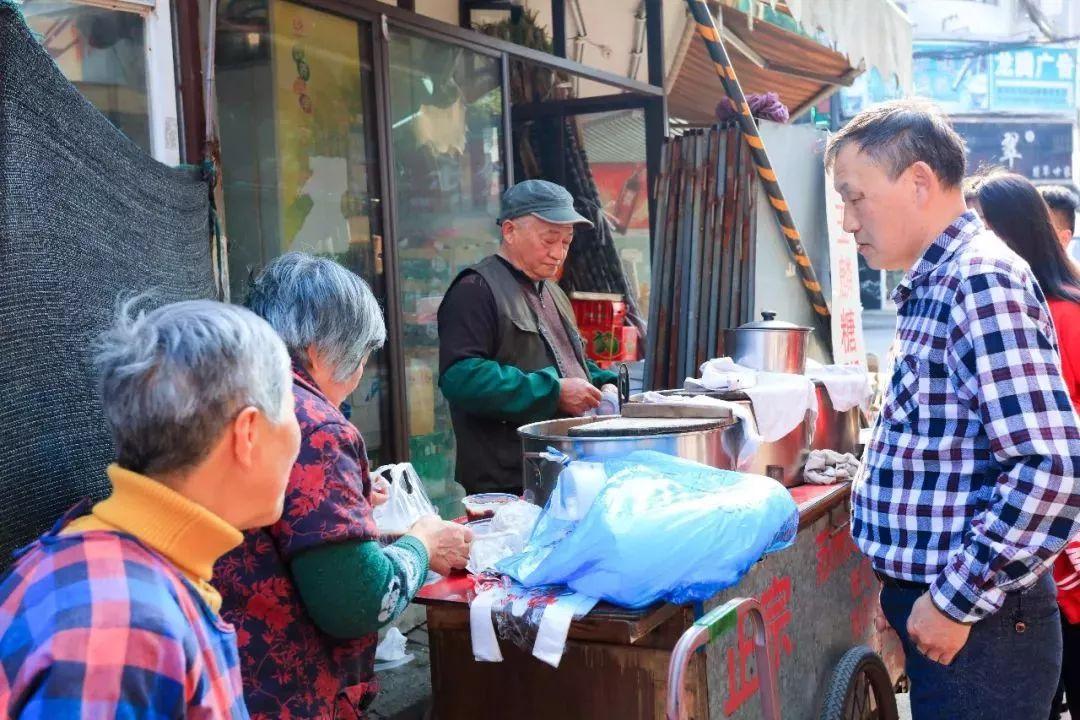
(768, 321)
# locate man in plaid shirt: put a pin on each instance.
(969, 489)
(111, 614)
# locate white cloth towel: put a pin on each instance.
(722, 375)
(782, 401)
(848, 385)
(825, 467)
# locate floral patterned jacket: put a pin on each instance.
(290, 668)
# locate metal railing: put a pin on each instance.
(709, 627)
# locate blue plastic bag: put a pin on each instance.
(660, 528)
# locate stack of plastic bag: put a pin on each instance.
(537, 620)
(660, 528)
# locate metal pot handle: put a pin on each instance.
(536, 459)
(623, 385)
(549, 455)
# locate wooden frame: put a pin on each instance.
(164, 127)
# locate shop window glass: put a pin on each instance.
(299, 159)
(615, 146)
(869, 286)
(446, 119)
(103, 53)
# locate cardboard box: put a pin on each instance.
(611, 344)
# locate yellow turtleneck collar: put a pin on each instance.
(186, 533)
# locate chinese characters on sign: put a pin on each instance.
(1034, 78)
(833, 550)
(1036, 150)
(847, 331)
(963, 78)
(1009, 153)
(775, 605)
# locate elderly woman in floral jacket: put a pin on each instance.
(309, 593)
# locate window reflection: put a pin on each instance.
(446, 115)
(102, 52)
(299, 159)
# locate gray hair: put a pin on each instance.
(900, 133)
(314, 302)
(172, 379)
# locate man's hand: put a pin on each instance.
(935, 634)
(577, 396)
(447, 543)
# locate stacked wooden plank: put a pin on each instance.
(703, 257)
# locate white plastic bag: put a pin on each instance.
(390, 652)
(502, 536)
(407, 502)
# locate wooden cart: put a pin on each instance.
(818, 602)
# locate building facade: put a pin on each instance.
(1006, 73)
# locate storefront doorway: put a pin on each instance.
(383, 140)
(300, 167)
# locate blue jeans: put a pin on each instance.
(1008, 670)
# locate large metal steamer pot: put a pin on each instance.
(783, 459)
(835, 430)
(714, 447)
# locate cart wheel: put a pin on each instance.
(860, 688)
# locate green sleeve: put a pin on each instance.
(503, 392)
(352, 589)
(600, 377)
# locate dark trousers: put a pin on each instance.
(1008, 669)
(1070, 669)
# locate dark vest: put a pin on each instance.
(489, 450)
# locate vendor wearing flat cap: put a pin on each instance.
(509, 348)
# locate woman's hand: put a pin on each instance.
(447, 543)
(380, 492)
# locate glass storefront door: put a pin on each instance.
(446, 125)
(299, 158)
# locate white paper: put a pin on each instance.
(849, 347)
(485, 642)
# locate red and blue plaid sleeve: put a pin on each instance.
(92, 627)
(1004, 361)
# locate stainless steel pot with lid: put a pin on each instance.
(768, 344)
(548, 445)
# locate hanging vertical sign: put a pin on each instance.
(847, 330)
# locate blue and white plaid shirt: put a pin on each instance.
(970, 481)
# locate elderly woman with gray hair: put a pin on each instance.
(309, 593)
(111, 613)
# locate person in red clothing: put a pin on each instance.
(1013, 208)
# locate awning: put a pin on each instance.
(872, 33)
(766, 58)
